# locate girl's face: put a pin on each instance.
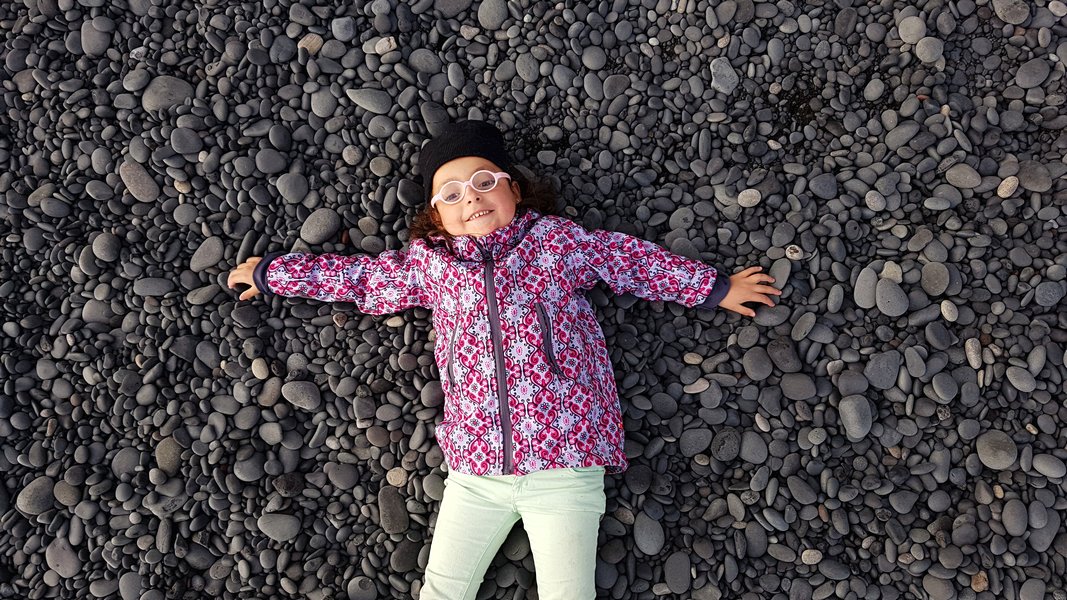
(499, 201)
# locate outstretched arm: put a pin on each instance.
(387, 283)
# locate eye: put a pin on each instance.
(484, 180)
(451, 192)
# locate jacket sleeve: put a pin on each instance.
(387, 283)
(631, 265)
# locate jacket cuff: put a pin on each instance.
(259, 274)
(718, 291)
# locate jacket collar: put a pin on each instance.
(494, 244)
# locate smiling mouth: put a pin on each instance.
(479, 215)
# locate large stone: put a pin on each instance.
(37, 497)
(278, 527)
(996, 450)
(855, 414)
(164, 92)
(138, 181)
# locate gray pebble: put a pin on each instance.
(856, 416)
(279, 527)
(302, 394)
(996, 450)
(723, 77)
(164, 92)
(321, 226)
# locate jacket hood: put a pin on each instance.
(492, 245)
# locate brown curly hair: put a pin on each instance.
(537, 193)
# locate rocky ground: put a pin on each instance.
(893, 428)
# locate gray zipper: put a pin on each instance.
(498, 353)
(546, 335)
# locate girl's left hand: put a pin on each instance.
(748, 286)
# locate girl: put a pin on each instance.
(532, 419)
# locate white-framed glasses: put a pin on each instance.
(481, 181)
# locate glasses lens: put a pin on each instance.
(451, 192)
(483, 181)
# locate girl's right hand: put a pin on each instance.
(242, 273)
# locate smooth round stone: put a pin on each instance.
(890, 298)
(302, 394)
(392, 511)
(935, 278)
(168, 455)
(801, 491)
(62, 558)
(1015, 517)
(753, 448)
(1012, 12)
(270, 161)
(875, 200)
(648, 534)
(343, 476)
(748, 198)
(833, 569)
(106, 247)
(855, 414)
(938, 589)
(370, 99)
(873, 90)
(280, 528)
(824, 186)
(271, 433)
(963, 176)
(493, 13)
(251, 469)
(1049, 466)
(1032, 73)
(293, 187)
(694, 441)
(864, 294)
(1034, 176)
(37, 497)
(798, 386)
(131, 586)
(1021, 379)
(1048, 293)
(164, 92)
(726, 444)
(676, 572)
(344, 29)
(185, 141)
(757, 363)
(929, 49)
(912, 29)
(996, 450)
(1008, 187)
(207, 255)
(1033, 589)
(724, 78)
(362, 588)
(594, 58)
(139, 183)
(811, 556)
(321, 226)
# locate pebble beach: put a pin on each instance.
(893, 428)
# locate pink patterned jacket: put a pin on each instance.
(525, 370)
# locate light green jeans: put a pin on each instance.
(560, 510)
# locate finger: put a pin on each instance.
(767, 289)
(751, 270)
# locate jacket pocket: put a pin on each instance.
(452, 356)
(546, 338)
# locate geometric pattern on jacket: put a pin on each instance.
(524, 366)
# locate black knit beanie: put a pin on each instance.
(455, 140)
